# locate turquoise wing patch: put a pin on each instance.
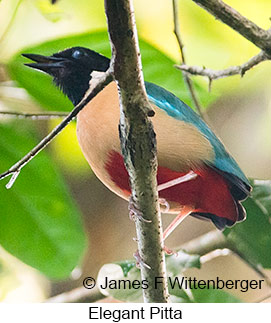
(177, 109)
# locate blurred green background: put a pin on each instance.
(239, 110)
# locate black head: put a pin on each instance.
(71, 69)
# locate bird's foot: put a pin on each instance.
(164, 203)
(139, 261)
(134, 212)
(169, 251)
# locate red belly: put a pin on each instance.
(209, 193)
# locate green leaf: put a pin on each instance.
(179, 295)
(197, 295)
(176, 265)
(213, 296)
(262, 195)
(39, 222)
(252, 238)
(178, 262)
(126, 266)
(157, 67)
(126, 287)
(49, 11)
(126, 272)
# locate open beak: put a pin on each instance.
(45, 63)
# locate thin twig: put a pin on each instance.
(214, 254)
(248, 29)
(264, 298)
(34, 116)
(187, 79)
(257, 268)
(11, 21)
(78, 295)
(103, 80)
(214, 240)
(233, 70)
(206, 243)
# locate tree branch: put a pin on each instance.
(187, 79)
(138, 144)
(248, 29)
(78, 295)
(263, 299)
(101, 82)
(206, 243)
(34, 116)
(233, 70)
(215, 240)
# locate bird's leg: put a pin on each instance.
(135, 212)
(186, 210)
(187, 177)
(173, 225)
(165, 204)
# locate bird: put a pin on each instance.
(196, 175)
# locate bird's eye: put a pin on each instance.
(77, 54)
